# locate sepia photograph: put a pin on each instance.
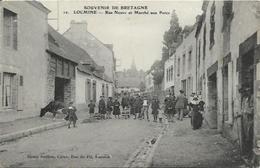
(129, 83)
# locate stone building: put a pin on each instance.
(227, 67)
(101, 53)
(23, 70)
(72, 74)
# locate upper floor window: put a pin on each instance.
(199, 53)
(172, 73)
(184, 64)
(227, 12)
(212, 25)
(178, 69)
(204, 42)
(189, 61)
(10, 29)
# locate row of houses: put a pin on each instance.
(38, 64)
(218, 59)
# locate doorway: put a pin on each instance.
(212, 100)
(7, 90)
(247, 97)
(184, 86)
(59, 89)
(225, 92)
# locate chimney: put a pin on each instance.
(110, 46)
(79, 26)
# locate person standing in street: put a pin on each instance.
(145, 108)
(124, 102)
(116, 108)
(131, 104)
(136, 106)
(91, 107)
(72, 117)
(169, 107)
(155, 108)
(180, 105)
(102, 107)
(109, 107)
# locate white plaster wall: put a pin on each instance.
(29, 60)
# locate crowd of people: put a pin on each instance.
(139, 105)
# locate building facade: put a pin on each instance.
(73, 75)
(23, 70)
(184, 67)
(169, 75)
(225, 66)
(101, 53)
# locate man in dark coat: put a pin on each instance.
(169, 107)
(116, 108)
(102, 107)
(155, 108)
(109, 107)
(131, 104)
(124, 101)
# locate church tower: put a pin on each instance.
(133, 66)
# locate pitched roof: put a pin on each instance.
(63, 47)
(39, 5)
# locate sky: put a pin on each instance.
(134, 37)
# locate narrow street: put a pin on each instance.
(182, 146)
(103, 144)
(111, 143)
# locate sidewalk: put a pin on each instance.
(19, 128)
(183, 147)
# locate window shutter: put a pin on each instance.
(21, 80)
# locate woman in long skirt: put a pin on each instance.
(116, 111)
(196, 116)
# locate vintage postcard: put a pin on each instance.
(129, 83)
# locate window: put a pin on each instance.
(199, 53)
(103, 89)
(178, 69)
(94, 91)
(10, 29)
(204, 42)
(21, 80)
(212, 24)
(189, 61)
(167, 75)
(107, 92)
(7, 90)
(172, 73)
(183, 64)
(227, 12)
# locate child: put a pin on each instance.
(91, 107)
(72, 117)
